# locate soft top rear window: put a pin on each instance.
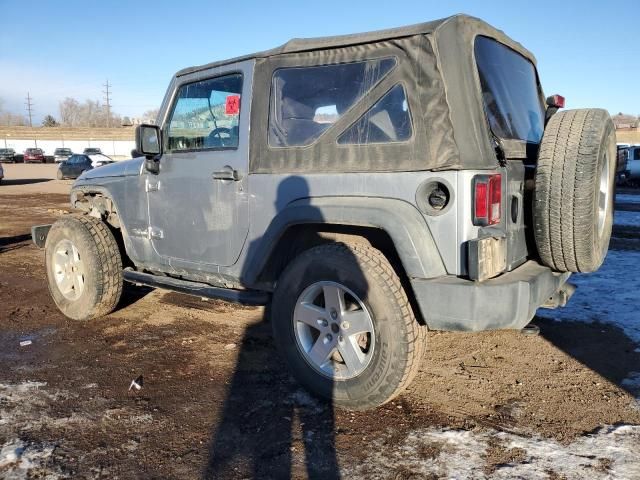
(510, 92)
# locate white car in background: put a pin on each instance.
(99, 159)
(62, 155)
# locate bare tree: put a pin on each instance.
(12, 120)
(150, 116)
(88, 114)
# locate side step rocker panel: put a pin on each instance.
(243, 297)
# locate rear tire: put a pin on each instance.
(388, 355)
(574, 191)
(84, 267)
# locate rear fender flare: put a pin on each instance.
(402, 221)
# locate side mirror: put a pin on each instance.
(149, 144)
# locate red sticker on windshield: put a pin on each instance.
(232, 105)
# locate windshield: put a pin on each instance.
(62, 151)
(510, 92)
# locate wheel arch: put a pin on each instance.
(99, 203)
(393, 226)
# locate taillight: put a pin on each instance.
(487, 199)
(556, 101)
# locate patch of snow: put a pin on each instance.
(24, 406)
(629, 219)
(20, 388)
(609, 295)
(611, 452)
(632, 383)
(627, 198)
(18, 460)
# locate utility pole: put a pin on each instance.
(107, 101)
(29, 105)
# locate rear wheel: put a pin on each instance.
(59, 175)
(345, 327)
(84, 268)
(574, 192)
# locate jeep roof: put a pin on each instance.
(452, 125)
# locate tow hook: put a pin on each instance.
(560, 297)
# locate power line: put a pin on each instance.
(107, 101)
(29, 105)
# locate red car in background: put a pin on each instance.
(32, 155)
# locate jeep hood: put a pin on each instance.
(124, 168)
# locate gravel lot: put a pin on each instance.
(217, 401)
(29, 178)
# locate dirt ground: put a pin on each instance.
(218, 402)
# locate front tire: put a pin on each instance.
(345, 326)
(84, 267)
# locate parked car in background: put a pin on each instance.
(622, 171)
(100, 159)
(91, 151)
(34, 155)
(7, 155)
(62, 154)
(79, 163)
(633, 162)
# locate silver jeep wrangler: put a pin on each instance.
(369, 187)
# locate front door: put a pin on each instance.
(198, 210)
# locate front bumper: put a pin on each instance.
(508, 301)
(39, 234)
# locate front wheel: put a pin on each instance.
(345, 326)
(84, 267)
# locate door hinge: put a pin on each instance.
(152, 185)
(155, 232)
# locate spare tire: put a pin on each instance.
(574, 190)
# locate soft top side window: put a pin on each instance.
(387, 121)
(206, 115)
(305, 101)
(510, 92)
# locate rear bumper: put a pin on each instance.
(508, 301)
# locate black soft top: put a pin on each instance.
(436, 64)
(461, 22)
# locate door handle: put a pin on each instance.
(227, 173)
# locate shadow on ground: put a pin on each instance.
(25, 181)
(14, 242)
(603, 348)
(132, 294)
(269, 427)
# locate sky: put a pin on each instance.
(586, 50)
